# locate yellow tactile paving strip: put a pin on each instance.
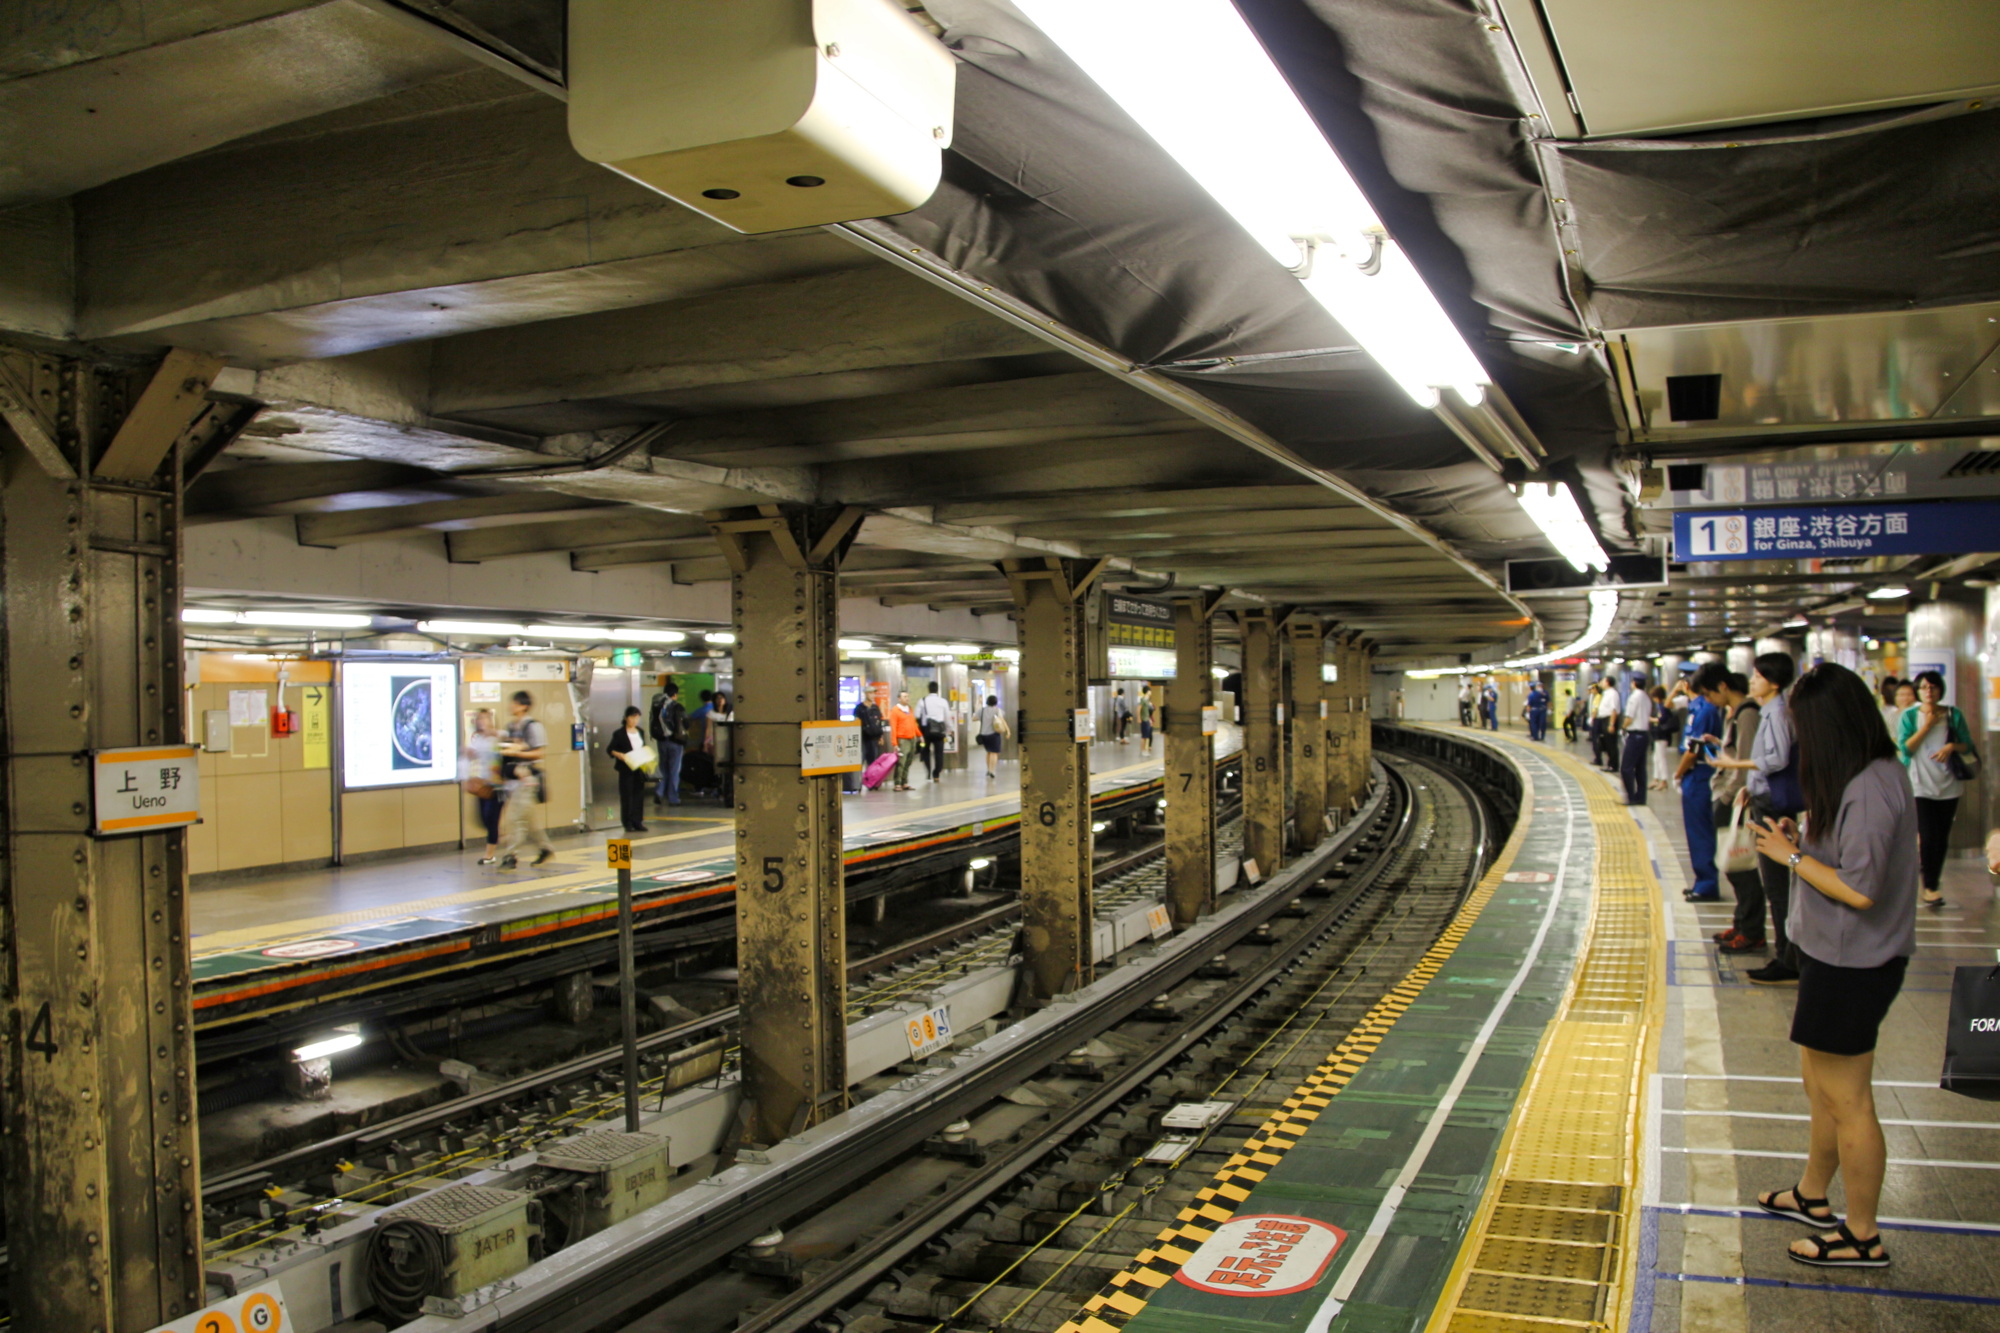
(1550, 1247)
(1125, 1294)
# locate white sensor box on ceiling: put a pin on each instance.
(763, 114)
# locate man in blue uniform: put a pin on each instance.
(1489, 705)
(1538, 711)
(1693, 773)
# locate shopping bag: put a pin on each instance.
(1739, 845)
(1972, 1036)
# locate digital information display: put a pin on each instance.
(399, 723)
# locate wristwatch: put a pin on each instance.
(1794, 859)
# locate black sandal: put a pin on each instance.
(1867, 1253)
(1768, 1201)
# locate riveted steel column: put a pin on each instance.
(1364, 732)
(791, 925)
(1263, 748)
(1055, 772)
(1308, 712)
(102, 1195)
(1190, 773)
(1340, 726)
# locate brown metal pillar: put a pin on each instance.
(1263, 749)
(791, 929)
(1363, 745)
(1308, 711)
(1190, 772)
(1333, 728)
(102, 1194)
(1055, 771)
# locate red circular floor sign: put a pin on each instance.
(1263, 1254)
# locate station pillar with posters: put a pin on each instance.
(1360, 731)
(1190, 761)
(1341, 742)
(1263, 735)
(102, 1164)
(791, 925)
(1308, 712)
(1054, 733)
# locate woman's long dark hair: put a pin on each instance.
(1840, 732)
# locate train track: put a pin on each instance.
(1006, 1191)
(1025, 1221)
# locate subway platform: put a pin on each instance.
(1561, 1118)
(267, 945)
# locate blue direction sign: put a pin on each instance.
(1941, 528)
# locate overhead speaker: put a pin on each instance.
(1694, 397)
(763, 114)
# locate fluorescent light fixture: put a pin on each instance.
(325, 1046)
(944, 649)
(1199, 82)
(594, 633)
(866, 655)
(718, 636)
(499, 629)
(1800, 623)
(854, 645)
(979, 863)
(1603, 611)
(1099, 827)
(1889, 594)
(1008, 654)
(306, 619)
(625, 635)
(204, 615)
(1552, 505)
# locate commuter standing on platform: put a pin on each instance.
(1538, 711)
(1146, 718)
(1694, 773)
(629, 740)
(1464, 702)
(1892, 706)
(1928, 738)
(1854, 920)
(933, 721)
(1745, 933)
(905, 736)
(670, 737)
(1604, 731)
(1905, 699)
(482, 779)
(521, 760)
(1121, 716)
(1489, 705)
(1638, 715)
(872, 728)
(1771, 789)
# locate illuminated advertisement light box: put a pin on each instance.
(399, 723)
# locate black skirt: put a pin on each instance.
(1840, 1009)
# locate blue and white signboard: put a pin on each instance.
(1941, 528)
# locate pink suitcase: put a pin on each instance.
(879, 771)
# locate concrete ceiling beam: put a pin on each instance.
(641, 553)
(1222, 522)
(632, 525)
(344, 527)
(264, 488)
(870, 319)
(1142, 501)
(121, 91)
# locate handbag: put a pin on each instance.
(1972, 1034)
(1964, 761)
(1784, 795)
(1739, 845)
(478, 788)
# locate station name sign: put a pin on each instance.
(144, 789)
(1941, 528)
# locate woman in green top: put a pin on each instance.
(1928, 734)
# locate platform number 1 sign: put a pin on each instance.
(1719, 534)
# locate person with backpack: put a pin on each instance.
(933, 721)
(872, 729)
(670, 737)
(1936, 747)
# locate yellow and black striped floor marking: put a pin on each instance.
(1126, 1294)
